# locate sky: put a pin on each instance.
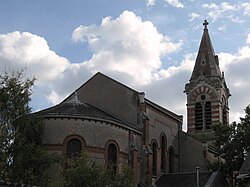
(148, 45)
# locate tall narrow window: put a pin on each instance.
(112, 157)
(171, 160)
(198, 116)
(225, 119)
(163, 153)
(208, 115)
(154, 164)
(74, 147)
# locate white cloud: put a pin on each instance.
(246, 7)
(193, 16)
(20, 49)
(248, 39)
(175, 3)
(128, 45)
(237, 20)
(151, 2)
(236, 67)
(222, 10)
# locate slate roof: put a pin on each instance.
(206, 178)
(206, 60)
(245, 168)
(182, 179)
(76, 109)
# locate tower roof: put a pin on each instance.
(207, 63)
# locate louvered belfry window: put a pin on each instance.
(198, 116)
(208, 115)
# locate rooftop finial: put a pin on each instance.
(205, 24)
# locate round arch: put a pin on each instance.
(73, 139)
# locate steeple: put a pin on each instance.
(207, 92)
(207, 62)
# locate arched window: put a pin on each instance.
(74, 147)
(154, 164)
(171, 160)
(112, 157)
(208, 115)
(198, 116)
(163, 152)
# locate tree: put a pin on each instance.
(30, 162)
(233, 143)
(22, 159)
(15, 92)
(83, 172)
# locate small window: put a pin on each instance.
(74, 148)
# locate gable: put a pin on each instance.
(111, 96)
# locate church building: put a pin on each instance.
(117, 124)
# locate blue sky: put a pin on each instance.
(149, 45)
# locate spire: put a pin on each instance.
(206, 62)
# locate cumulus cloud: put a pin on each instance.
(227, 10)
(246, 7)
(126, 45)
(175, 3)
(20, 49)
(151, 2)
(248, 39)
(193, 16)
(236, 67)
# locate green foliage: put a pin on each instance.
(232, 143)
(30, 162)
(15, 91)
(83, 172)
(22, 158)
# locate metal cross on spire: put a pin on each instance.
(205, 24)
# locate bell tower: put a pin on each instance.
(207, 92)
